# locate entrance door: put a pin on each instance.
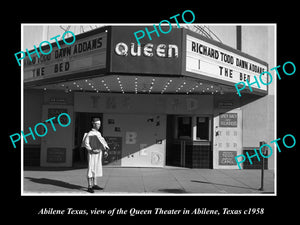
(56, 146)
(227, 139)
(179, 134)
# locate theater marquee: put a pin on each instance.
(208, 59)
(87, 54)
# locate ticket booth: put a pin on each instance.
(190, 141)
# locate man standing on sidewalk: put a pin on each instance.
(95, 145)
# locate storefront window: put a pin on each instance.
(184, 127)
(202, 128)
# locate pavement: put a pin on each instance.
(148, 181)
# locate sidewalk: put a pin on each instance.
(147, 181)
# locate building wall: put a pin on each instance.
(259, 116)
(227, 34)
(139, 120)
(32, 35)
(142, 138)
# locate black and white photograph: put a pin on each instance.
(144, 112)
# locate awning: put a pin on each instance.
(108, 59)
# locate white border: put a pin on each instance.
(148, 194)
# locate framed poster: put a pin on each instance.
(228, 120)
(56, 155)
(227, 157)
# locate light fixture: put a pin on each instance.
(166, 86)
(181, 86)
(120, 84)
(136, 85)
(105, 85)
(67, 90)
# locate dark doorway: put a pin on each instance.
(179, 141)
(173, 150)
(83, 124)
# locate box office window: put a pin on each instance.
(196, 128)
(202, 128)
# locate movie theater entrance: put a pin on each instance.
(168, 102)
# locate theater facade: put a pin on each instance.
(170, 101)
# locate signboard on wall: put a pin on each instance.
(227, 141)
(228, 120)
(88, 53)
(222, 64)
(227, 157)
(161, 55)
(56, 155)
